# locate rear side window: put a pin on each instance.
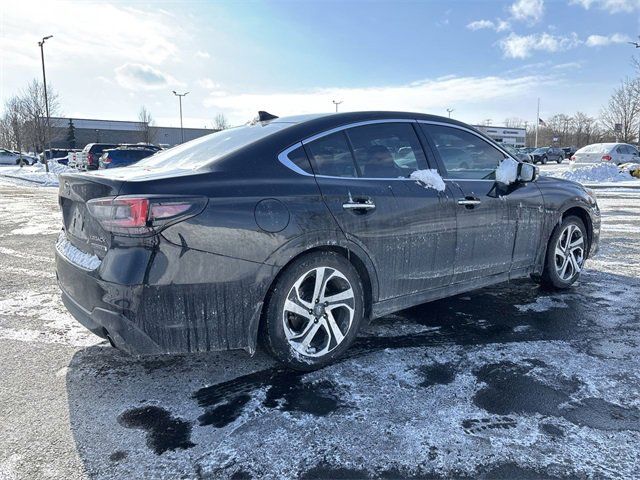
(331, 156)
(386, 150)
(299, 158)
(464, 155)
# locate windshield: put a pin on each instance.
(540, 150)
(205, 150)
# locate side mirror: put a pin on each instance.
(527, 172)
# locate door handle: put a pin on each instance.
(365, 204)
(469, 202)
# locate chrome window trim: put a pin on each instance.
(284, 159)
(283, 156)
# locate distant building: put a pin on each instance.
(510, 136)
(67, 131)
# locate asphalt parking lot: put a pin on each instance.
(506, 382)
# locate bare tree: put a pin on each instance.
(220, 122)
(514, 122)
(623, 109)
(146, 121)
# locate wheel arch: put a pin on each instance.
(583, 215)
(358, 258)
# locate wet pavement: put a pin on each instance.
(507, 382)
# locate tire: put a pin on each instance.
(300, 332)
(544, 160)
(559, 160)
(563, 263)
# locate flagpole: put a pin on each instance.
(537, 122)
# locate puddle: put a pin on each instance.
(164, 432)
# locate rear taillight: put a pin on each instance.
(106, 159)
(573, 158)
(130, 215)
(606, 158)
(90, 158)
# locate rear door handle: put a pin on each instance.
(364, 204)
(469, 202)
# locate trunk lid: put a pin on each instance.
(82, 230)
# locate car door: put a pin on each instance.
(485, 232)
(361, 173)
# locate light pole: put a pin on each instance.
(180, 95)
(336, 103)
(449, 110)
(47, 134)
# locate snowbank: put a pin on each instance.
(429, 179)
(596, 173)
(507, 171)
(37, 174)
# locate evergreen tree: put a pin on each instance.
(71, 135)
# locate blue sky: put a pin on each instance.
(484, 59)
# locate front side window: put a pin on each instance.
(464, 155)
(331, 156)
(386, 150)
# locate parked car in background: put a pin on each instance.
(545, 154)
(297, 231)
(59, 154)
(569, 151)
(91, 153)
(123, 156)
(11, 157)
(616, 153)
(523, 157)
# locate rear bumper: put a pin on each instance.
(172, 313)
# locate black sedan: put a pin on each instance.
(544, 154)
(294, 232)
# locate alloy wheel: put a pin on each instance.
(569, 252)
(318, 312)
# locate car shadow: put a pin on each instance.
(162, 414)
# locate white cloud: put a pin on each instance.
(480, 24)
(527, 10)
(79, 33)
(136, 76)
(202, 54)
(425, 95)
(611, 6)
(208, 84)
(523, 46)
(498, 25)
(604, 40)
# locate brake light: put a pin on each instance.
(90, 158)
(143, 215)
(106, 159)
(573, 158)
(606, 158)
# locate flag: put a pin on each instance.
(541, 122)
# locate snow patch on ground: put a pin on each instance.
(37, 174)
(596, 173)
(507, 171)
(542, 304)
(429, 179)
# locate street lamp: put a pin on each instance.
(449, 110)
(180, 95)
(46, 100)
(336, 103)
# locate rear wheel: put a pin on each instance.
(566, 254)
(313, 312)
(544, 160)
(559, 160)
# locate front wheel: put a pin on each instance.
(559, 160)
(313, 312)
(566, 254)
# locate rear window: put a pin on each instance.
(206, 150)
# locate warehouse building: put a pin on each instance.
(509, 136)
(77, 132)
